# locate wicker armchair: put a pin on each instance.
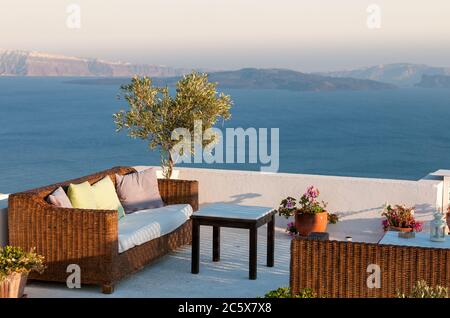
(340, 269)
(89, 238)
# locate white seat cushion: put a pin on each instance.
(146, 225)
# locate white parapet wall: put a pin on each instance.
(358, 201)
(3, 219)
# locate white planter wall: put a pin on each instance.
(358, 201)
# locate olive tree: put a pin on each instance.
(154, 113)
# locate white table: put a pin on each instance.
(233, 211)
(422, 239)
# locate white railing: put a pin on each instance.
(3, 219)
(446, 194)
(444, 176)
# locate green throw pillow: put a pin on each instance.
(106, 196)
(82, 196)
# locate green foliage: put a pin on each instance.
(285, 292)
(400, 216)
(333, 218)
(16, 260)
(154, 114)
(422, 290)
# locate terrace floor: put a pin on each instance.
(170, 276)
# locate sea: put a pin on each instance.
(52, 129)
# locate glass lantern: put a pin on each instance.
(438, 228)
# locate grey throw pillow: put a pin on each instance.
(139, 191)
(59, 198)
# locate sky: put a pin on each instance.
(312, 35)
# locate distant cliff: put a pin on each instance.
(400, 74)
(291, 80)
(434, 81)
(24, 63)
(252, 78)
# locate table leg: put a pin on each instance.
(253, 252)
(216, 243)
(195, 247)
(271, 241)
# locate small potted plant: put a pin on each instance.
(15, 265)
(310, 214)
(400, 218)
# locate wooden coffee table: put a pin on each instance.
(235, 216)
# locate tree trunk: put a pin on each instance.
(170, 168)
(167, 164)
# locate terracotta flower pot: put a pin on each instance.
(13, 285)
(400, 229)
(307, 223)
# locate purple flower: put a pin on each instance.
(289, 204)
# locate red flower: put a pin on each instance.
(400, 216)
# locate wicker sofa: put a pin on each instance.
(89, 238)
(339, 269)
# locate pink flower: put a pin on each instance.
(418, 226)
(312, 193)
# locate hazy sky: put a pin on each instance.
(311, 35)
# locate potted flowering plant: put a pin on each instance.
(15, 265)
(310, 214)
(400, 218)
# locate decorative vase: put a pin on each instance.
(306, 223)
(407, 235)
(13, 285)
(400, 229)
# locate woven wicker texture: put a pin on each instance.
(339, 269)
(89, 238)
